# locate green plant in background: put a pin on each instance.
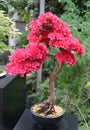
(5, 6)
(40, 95)
(87, 86)
(87, 92)
(49, 64)
(4, 47)
(22, 39)
(31, 83)
(5, 30)
(25, 8)
(5, 25)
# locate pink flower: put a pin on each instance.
(65, 56)
(45, 24)
(27, 60)
(58, 40)
(46, 31)
(36, 51)
(75, 45)
(62, 42)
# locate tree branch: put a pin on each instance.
(52, 55)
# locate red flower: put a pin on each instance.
(27, 60)
(50, 30)
(44, 25)
(65, 56)
(36, 51)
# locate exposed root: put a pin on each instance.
(46, 108)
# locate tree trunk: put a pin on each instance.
(53, 75)
(47, 107)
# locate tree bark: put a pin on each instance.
(53, 75)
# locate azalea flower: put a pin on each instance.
(45, 31)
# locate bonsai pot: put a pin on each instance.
(47, 121)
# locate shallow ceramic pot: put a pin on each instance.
(46, 121)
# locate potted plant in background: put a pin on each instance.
(47, 31)
(6, 30)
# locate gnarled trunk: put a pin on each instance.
(53, 75)
(47, 107)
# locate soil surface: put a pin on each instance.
(58, 111)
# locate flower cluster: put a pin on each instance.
(65, 56)
(27, 60)
(48, 28)
(45, 31)
(44, 25)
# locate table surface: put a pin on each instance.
(5, 79)
(26, 122)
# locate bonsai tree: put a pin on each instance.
(47, 31)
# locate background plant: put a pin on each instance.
(5, 30)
